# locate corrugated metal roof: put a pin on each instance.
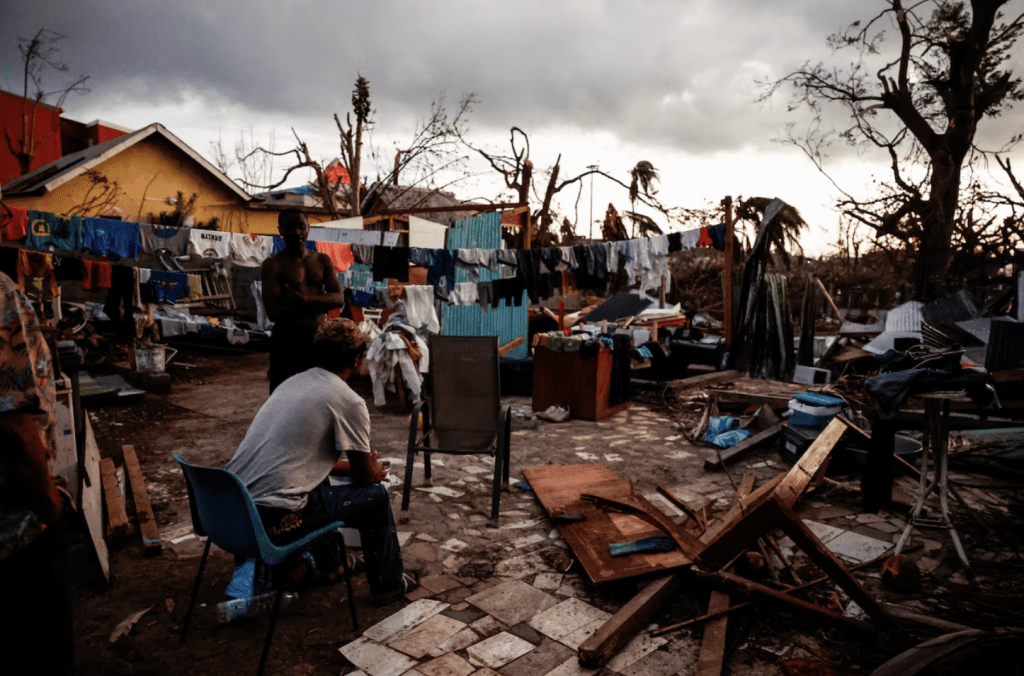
(979, 328)
(906, 317)
(505, 322)
(885, 341)
(956, 307)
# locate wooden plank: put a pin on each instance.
(117, 518)
(712, 648)
(802, 536)
(511, 345)
(718, 458)
(746, 486)
(807, 467)
(732, 541)
(92, 500)
(140, 494)
(737, 511)
(559, 489)
(703, 380)
(628, 621)
(697, 517)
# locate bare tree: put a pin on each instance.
(38, 55)
(919, 101)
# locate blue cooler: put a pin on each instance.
(811, 409)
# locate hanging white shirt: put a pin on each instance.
(209, 243)
(250, 250)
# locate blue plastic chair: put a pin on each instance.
(223, 512)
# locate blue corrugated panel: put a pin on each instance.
(507, 323)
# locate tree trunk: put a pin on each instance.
(354, 174)
(937, 226)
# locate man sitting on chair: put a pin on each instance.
(293, 450)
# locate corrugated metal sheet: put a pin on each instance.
(507, 323)
(906, 317)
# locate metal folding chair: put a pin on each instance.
(468, 418)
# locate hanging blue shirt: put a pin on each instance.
(279, 245)
(170, 286)
(48, 231)
(104, 237)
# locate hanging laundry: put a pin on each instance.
(391, 263)
(363, 253)
(569, 258)
(340, 254)
(717, 235)
(170, 286)
(164, 238)
(689, 239)
(465, 294)
(48, 231)
(705, 238)
(209, 243)
(419, 309)
(249, 250)
(117, 239)
(440, 264)
(36, 276)
(195, 287)
(279, 245)
(95, 275)
(485, 294)
(675, 242)
(13, 223)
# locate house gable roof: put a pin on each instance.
(73, 165)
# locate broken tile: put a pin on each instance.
(463, 639)
(403, 537)
(418, 593)
(524, 542)
(426, 538)
(499, 649)
(376, 659)
(566, 617)
(657, 663)
(421, 639)
(449, 664)
(541, 660)
(823, 531)
(571, 667)
(457, 595)
(451, 561)
(404, 620)
(487, 626)
(463, 612)
(454, 545)
(857, 548)
(520, 566)
(439, 583)
(441, 490)
(513, 602)
(638, 648)
(421, 550)
(474, 469)
(576, 638)
(548, 581)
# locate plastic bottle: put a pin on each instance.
(253, 606)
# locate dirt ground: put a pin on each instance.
(212, 401)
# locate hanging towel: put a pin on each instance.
(95, 275)
(105, 237)
(689, 239)
(341, 254)
(419, 308)
(13, 223)
(465, 294)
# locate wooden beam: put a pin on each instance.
(712, 648)
(143, 509)
(734, 584)
(678, 502)
(810, 463)
(746, 486)
(511, 345)
(733, 516)
(828, 299)
(718, 458)
(117, 517)
(702, 380)
(628, 621)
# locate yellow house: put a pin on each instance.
(138, 175)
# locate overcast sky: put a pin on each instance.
(609, 83)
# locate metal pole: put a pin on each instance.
(592, 167)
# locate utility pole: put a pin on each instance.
(592, 167)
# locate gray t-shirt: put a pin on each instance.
(297, 436)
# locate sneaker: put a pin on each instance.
(409, 583)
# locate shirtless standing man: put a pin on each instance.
(299, 288)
